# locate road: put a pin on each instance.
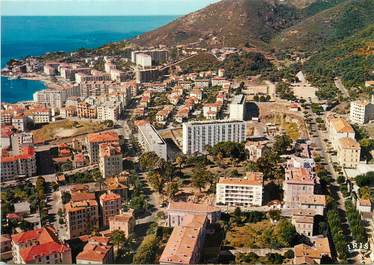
(323, 147)
(339, 85)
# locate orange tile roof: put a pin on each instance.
(107, 150)
(341, 125)
(79, 205)
(312, 199)
(321, 247)
(42, 235)
(180, 246)
(82, 196)
(103, 137)
(29, 254)
(365, 202)
(110, 197)
(241, 181)
(349, 143)
(192, 207)
(299, 176)
(94, 252)
(27, 153)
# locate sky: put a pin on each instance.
(100, 7)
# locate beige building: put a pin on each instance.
(86, 110)
(110, 206)
(39, 246)
(306, 254)
(338, 128)
(5, 247)
(82, 217)
(109, 111)
(124, 222)
(95, 139)
(298, 181)
(21, 164)
(240, 192)
(96, 251)
(361, 111)
(177, 211)
(186, 241)
(303, 224)
(110, 159)
(348, 152)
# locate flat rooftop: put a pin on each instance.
(238, 99)
(150, 133)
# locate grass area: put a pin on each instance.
(292, 130)
(66, 128)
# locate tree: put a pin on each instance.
(118, 237)
(281, 144)
(284, 91)
(341, 179)
(201, 177)
(172, 189)
(138, 203)
(365, 179)
(146, 252)
(286, 232)
(148, 161)
(180, 160)
(274, 258)
(65, 197)
(274, 215)
(156, 181)
(289, 254)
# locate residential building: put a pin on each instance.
(186, 241)
(110, 159)
(5, 247)
(39, 246)
(109, 110)
(110, 206)
(96, 251)
(364, 205)
(158, 56)
(210, 111)
(361, 111)
(95, 88)
(20, 122)
(163, 115)
(82, 217)
(21, 164)
(197, 93)
(95, 139)
(202, 83)
(298, 181)
(199, 134)
(68, 71)
(177, 211)
(338, 128)
(86, 110)
(117, 75)
(54, 98)
(21, 140)
(143, 60)
(305, 254)
(40, 115)
(348, 152)
(118, 185)
(303, 224)
(237, 108)
(50, 68)
(124, 222)
(240, 192)
(151, 141)
(95, 76)
(146, 75)
(218, 81)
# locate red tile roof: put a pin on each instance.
(42, 235)
(29, 254)
(103, 137)
(110, 197)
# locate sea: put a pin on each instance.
(35, 35)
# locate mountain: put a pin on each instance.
(227, 23)
(328, 26)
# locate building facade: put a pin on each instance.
(198, 135)
(151, 141)
(110, 205)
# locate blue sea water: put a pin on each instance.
(35, 35)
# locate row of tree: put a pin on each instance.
(356, 225)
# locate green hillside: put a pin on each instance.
(327, 26)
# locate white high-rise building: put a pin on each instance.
(151, 141)
(199, 134)
(361, 112)
(240, 191)
(143, 60)
(237, 107)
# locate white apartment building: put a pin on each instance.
(21, 140)
(109, 111)
(54, 98)
(21, 164)
(41, 115)
(237, 107)
(143, 60)
(361, 111)
(158, 56)
(199, 134)
(151, 141)
(239, 192)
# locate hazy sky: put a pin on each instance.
(101, 7)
